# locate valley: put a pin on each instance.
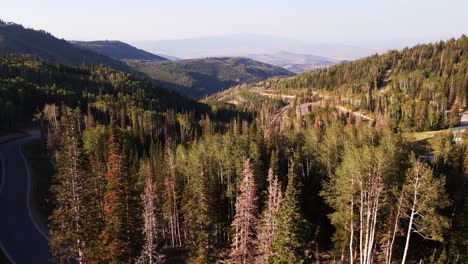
(233, 148)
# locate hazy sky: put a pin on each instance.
(368, 23)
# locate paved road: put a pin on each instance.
(305, 107)
(20, 238)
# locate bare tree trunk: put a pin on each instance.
(360, 224)
(395, 228)
(351, 236)
(410, 225)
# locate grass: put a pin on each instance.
(42, 171)
(418, 136)
(427, 135)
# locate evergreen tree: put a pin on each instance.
(151, 217)
(115, 236)
(269, 226)
(73, 236)
(288, 246)
(245, 223)
(171, 200)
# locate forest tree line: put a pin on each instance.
(344, 191)
(420, 88)
(148, 176)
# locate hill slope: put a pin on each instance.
(118, 50)
(15, 39)
(26, 85)
(297, 63)
(201, 77)
(415, 89)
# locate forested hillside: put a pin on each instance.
(415, 88)
(148, 176)
(15, 39)
(27, 85)
(118, 50)
(201, 77)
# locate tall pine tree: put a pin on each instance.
(71, 223)
(288, 246)
(151, 218)
(269, 226)
(116, 234)
(244, 241)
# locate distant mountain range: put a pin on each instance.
(195, 77)
(15, 39)
(245, 44)
(201, 77)
(297, 63)
(118, 50)
(169, 57)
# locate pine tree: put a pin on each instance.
(269, 226)
(244, 240)
(289, 241)
(115, 236)
(171, 200)
(71, 228)
(202, 226)
(199, 217)
(90, 122)
(149, 254)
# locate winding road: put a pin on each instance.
(21, 238)
(305, 108)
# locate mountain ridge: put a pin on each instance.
(202, 77)
(244, 44)
(16, 39)
(117, 49)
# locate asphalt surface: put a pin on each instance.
(21, 240)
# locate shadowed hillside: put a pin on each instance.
(118, 50)
(201, 77)
(15, 39)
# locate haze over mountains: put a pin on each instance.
(193, 77)
(202, 77)
(196, 78)
(294, 62)
(247, 44)
(117, 50)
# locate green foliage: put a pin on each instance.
(289, 243)
(201, 77)
(425, 196)
(73, 220)
(414, 86)
(197, 151)
(26, 85)
(19, 40)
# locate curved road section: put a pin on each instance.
(20, 237)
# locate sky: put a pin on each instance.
(366, 23)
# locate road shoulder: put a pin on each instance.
(40, 172)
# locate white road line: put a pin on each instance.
(36, 225)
